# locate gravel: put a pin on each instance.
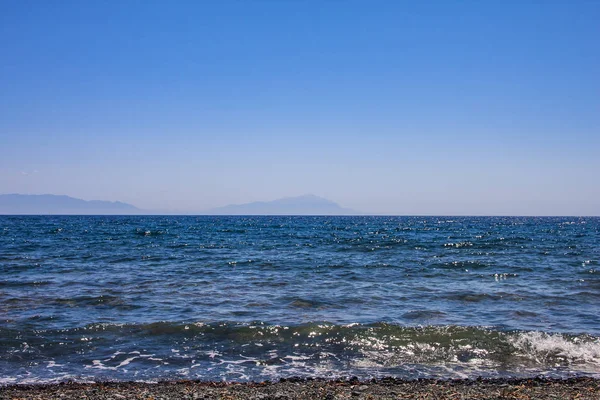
(296, 388)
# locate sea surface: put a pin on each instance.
(259, 298)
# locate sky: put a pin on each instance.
(387, 107)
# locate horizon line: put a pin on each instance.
(305, 215)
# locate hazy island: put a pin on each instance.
(50, 204)
(301, 205)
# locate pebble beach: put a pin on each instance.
(296, 388)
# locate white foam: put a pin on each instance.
(97, 364)
(545, 348)
(213, 353)
(52, 364)
(126, 362)
(8, 380)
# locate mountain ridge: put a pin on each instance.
(52, 204)
(307, 204)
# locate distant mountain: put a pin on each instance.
(301, 205)
(59, 205)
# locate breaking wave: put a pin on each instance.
(258, 351)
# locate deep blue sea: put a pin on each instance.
(254, 298)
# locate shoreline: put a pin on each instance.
(316, 388)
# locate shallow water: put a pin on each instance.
(252, 298)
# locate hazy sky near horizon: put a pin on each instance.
(390, 107)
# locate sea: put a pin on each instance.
(235, 298)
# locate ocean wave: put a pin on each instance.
(82, 301)
(259, 350)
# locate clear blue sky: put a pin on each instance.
(440, 107)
